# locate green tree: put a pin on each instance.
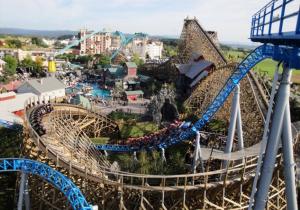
(38, 42)
(14, 43)
(84, 59)
(68, 57)
(170, 50)
(35, 67)
(58, 44)
(137, 60)
(39, 63)
(11, 64)
(103, 60)
(27, 62)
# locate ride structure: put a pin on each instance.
(65, 146)
(286, 50)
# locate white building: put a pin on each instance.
(154, 50)
(49, 87)
(2, 66)
(12, 106)
(146, 48)
(138, 46)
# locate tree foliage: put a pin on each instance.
(35, 67)
(103, 60)
(14, 43)
(137, 60)
(68, 57)
(11, 65)
(38, 42)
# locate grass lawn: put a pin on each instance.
(234, 55)
(268, 66)
(100, 140)
(138, 129)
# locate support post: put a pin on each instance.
(233, 118)
(135, 157)
(264, 138)
(105, 153)
(239, 126)
(26, 194)
(273, 140)
(197, 154)
(163, 155)
(288, 160)
(21, 190)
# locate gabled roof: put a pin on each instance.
(45, 84)
(197, 68)
(131, 65)
(134, 92)
(198, 78)
(183, 68)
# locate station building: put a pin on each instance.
(49, 87)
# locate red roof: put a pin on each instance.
(13, 85)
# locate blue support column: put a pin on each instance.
(264, 138)
(273, 141)
(288, 160)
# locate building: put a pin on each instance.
(115, 42)
(146, 48)
(21, 54)
(154, 50)
(194, 71)
(2, 66)
(98, 43)
(138, 46)
(130, 71)
(11, 86)
(134, 95)
(49, 87)
(12, 106)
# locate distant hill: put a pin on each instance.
(40, 33)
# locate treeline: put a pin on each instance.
(170, 47)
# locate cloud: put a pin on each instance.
(231, 18)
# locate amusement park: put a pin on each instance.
(107, 119)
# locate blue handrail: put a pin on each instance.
(264, 20)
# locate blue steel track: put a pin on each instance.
(57, 179)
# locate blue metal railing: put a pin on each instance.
(265, 20)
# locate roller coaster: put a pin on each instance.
(60, 135)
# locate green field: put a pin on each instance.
(100, 140)
(267, 66)
(137, 129)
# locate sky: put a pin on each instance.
(230, 18)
